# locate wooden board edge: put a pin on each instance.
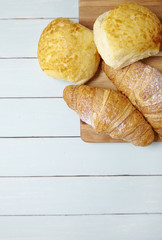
(93, 137)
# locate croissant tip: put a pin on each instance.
(68, 95)
(66, 89)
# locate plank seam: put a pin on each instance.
(86, 176)
(26, 137)
(34, 18)
(80, 215)
(18, 57)
(31, 97)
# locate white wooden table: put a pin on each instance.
(53, 186)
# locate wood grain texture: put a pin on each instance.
(84, 195)
(145, 227)
(89, 10)
(45, 157)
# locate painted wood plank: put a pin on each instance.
(37, 117)
(38, 9)
(72, 156)
(88, 195)
(145, 227)
(25, 36)
(24, 78)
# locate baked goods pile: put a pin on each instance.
(120, 37)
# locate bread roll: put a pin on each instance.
(66, 50)
(126, 34)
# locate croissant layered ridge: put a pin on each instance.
(142, 84)
(109, 112)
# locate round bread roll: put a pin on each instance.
(126, 34)
(66, 50)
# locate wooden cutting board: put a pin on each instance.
(89, 10)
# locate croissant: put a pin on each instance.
(110, 112)
(142, 84)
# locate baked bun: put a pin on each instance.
(66, 50)
(126, 34)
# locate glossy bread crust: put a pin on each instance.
(126, 34)
(66, 50)
(142, 84)
(110, 112)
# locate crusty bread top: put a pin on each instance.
(66, 50)
(127, 33)
(131, 25)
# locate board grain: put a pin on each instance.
(89, 10)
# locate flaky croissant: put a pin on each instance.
(142, 84)
(108, 111)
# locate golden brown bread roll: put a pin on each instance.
(126, 34)
(110, 112)
(142, 84)
(66, 50)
